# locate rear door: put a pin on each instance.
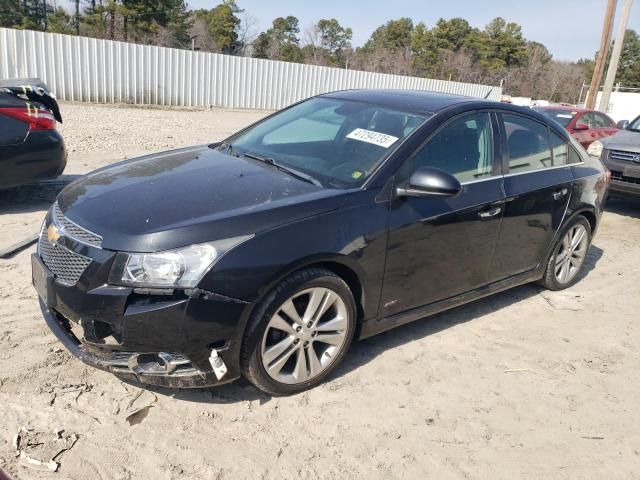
(537, 186)
(440, 247)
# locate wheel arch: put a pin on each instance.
(591, 218)
(342, 266)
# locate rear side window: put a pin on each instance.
(559, 148)
(574, 156)
(603, 121)
(528, 144)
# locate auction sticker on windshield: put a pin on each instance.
(376, 138)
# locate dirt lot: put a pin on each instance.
(527, 384)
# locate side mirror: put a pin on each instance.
(622, 124)
(581, 126)
(430, 182)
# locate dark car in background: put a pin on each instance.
(337, 218)
(31, 148)
(585, 125)
(620, 153)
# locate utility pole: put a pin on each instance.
(605, 41)
(77, 17)
(615, 56)
(46, 22)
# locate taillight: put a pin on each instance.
(36, 118)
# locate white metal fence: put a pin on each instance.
(90, 70)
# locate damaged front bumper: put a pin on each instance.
(161, 371)
(181, 340)
(166, 369)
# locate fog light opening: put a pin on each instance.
(152, 363)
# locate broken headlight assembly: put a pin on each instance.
(179, 268)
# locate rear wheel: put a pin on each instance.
(299, 333)
(568, 255)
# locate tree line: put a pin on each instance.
(452, 49)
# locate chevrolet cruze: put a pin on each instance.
(337, 218)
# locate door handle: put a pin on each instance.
(558, 194)
(490, 213)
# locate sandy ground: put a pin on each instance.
(527, 384)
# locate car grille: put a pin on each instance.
(624, 156)
(74, 231)
(622, 178)
(67, 266)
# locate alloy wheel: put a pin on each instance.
(571, 254)
(305, 335)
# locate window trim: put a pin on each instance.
(496, 164)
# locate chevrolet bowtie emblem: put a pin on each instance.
(53, 234)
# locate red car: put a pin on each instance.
(585, 125)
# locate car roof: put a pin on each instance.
(412, 100)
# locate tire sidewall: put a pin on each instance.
(550, 281)
(254, 369)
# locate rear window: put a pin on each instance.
(563, 117)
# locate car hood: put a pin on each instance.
(188, 196)
(623, 140)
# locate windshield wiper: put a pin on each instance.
(279, 166)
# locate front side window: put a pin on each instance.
(463, 148)
(527, 144)
(589, 119)
(338, 142)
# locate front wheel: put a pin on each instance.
(568, 255)
(299, 333)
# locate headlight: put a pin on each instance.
(595, 149)
(182, 267)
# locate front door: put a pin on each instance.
(441, 247)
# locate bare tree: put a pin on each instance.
(203, 39)
(312, 40)
(247, 33)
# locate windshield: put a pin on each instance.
(563, 117)
(634, 126)
(337, 142)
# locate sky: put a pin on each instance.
(570, 29)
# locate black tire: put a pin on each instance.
(251, 359)
(549, 279)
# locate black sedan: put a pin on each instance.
(337, 218)
(30, 146)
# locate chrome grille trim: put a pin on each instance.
(67, 266)
(624, 156)
(618, 176)
(73, 230)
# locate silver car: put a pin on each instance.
(620, 153)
